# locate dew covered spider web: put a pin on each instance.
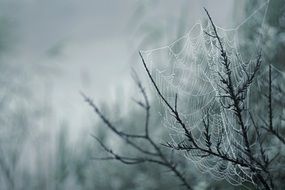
(189, 67)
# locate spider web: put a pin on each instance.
(189, 67)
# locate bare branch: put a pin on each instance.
(156, 157)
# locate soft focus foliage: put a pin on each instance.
(37, 151)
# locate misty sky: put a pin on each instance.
(85, 45)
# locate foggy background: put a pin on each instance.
(51, 50)
(64, 47)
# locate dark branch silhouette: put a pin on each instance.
(254, 154)
(156, 156)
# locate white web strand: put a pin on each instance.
(188, 67)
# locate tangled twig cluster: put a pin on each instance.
(252, 160)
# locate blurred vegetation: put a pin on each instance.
(31, 159)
